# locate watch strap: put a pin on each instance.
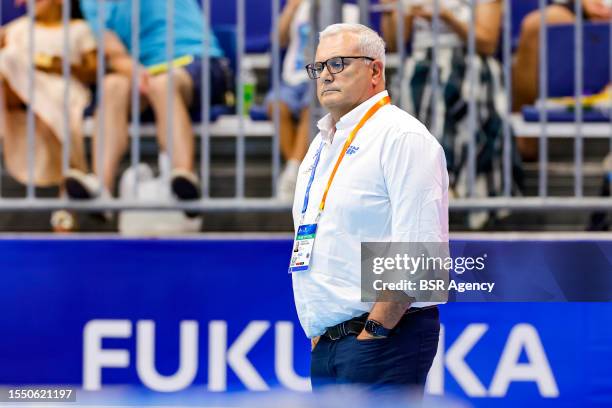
(376, 328)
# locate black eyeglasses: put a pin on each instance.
(334, 65)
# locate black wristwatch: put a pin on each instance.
(376, 329)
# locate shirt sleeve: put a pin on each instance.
(416, 178)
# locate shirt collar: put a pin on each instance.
(326, 124)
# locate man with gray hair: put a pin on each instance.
(373, 173)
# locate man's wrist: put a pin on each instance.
(376, 329)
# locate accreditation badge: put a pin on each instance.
(303, 244)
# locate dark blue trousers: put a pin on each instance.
(401, 360)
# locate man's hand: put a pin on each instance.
(364, 335)
(596, 10)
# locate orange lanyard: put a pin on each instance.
(384, 101)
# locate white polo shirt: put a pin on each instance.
(392, 185)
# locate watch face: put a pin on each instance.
(376, 329)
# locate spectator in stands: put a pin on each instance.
(153, 73)
(48, 91)
(295, 97)
(525, 70)
(451, 125)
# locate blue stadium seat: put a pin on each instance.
(258, 21)
(561, 70)
(596, 55)
(258, 113)
(532, 114)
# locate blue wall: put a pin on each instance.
(52, 290)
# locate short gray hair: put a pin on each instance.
(370, 43)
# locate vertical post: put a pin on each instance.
(435, 75)
(507, 147)
(543, 81)
(364, 12)
(578, 85)
(472, 101)
(2, 118)
(66, 77)
(170, 90)
(135, 140)
(101, 68)
(240, 148)
(610, 81)
(276, 91)
(205, 120)
(31, 129)
(330, 12)
(315, 107)
(401, 48)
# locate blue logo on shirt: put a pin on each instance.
(352, 150)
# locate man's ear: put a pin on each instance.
(377, 68)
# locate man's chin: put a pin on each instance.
(329, 97)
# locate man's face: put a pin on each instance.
(346, 89)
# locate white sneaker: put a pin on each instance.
(285, 189)
(142, 173)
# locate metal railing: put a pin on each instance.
(542, 202)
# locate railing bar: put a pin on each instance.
(205, 120)
(135, 140)
(507, 146)
(543, 96)
(276, 92)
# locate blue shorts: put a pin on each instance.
(221, 80)
(296, 97)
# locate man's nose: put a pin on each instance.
(326, 76)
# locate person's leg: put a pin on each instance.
(525, 72)
(10, 103)
(77, 151)
(116, 89)
(10, 98)
(48, 146)
(300, 146)
(287, 131)
(320, 357)
(182, 132)
(296, 98)
(288, 177)
(81, 185)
